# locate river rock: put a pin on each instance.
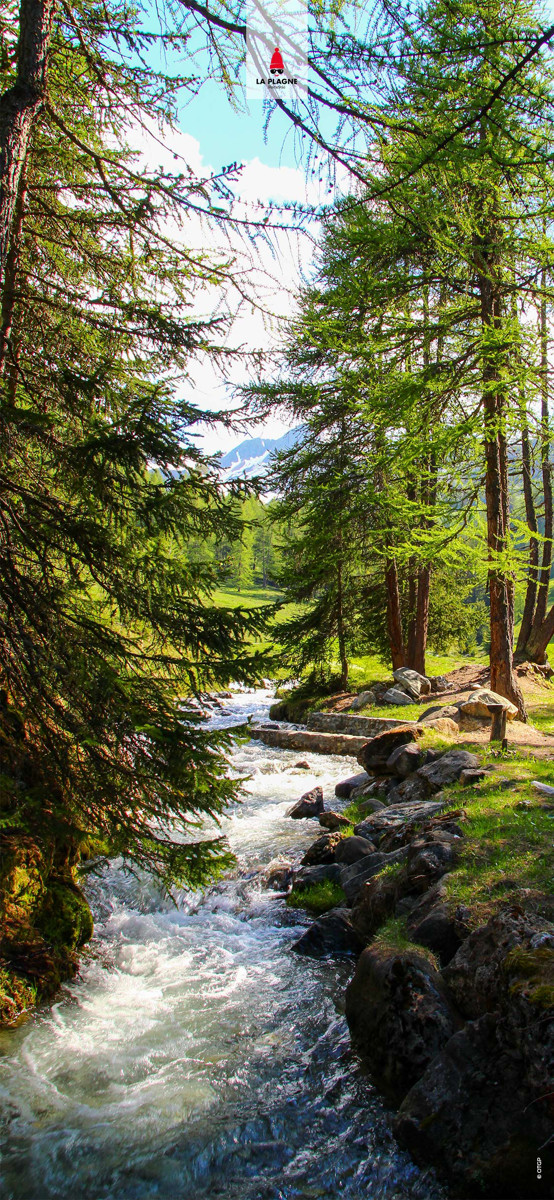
(352, 849)
(307, 876)
(381, 823)
(432, 828)
(345, 787)
(352, 878)
(399, 1016)
(374, 755)
(331, 934)
(309, 805)
(333, 821)
(396, 696)
(414, 684)
(322, 850)
(477, 704)
(278, 876)
(446, 769)
(405, 760)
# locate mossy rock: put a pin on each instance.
(65, 919)
(17, 995)
(22, 880)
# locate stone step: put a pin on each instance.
(305, 739)
(367, 727)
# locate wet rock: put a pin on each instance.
(412, 682)
(396, 696)
(278, 876)
(352, 877)
(399, 1016)
(352, 849)
(478, 977)
(322, 850)
(374, 755)
(344, 789)
(302, 765)
(481, 1112)
(333, 821)
(379, 824)
(477, 704)
(307, 876)
(405, 760)
(331, 935)
(309, 805)
(446, 769)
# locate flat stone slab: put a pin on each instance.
(367, 727)
(305, 739)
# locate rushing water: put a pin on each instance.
(195, 1055)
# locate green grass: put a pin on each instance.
(318, 898)
(393, 935)
(506, 848)
(253, 597)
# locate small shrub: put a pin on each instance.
(318, 898)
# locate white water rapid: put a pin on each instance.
(195, 1055)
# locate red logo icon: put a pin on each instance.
(276, 66)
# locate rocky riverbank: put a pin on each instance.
(451, 1003)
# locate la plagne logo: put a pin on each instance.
(277, 76)
(276, 49)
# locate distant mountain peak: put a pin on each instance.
(252, 456)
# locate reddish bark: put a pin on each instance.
(394, 620)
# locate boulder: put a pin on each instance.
(412, 682)
(431, 923)
(427, 860)
(472, 775)
(396, 696)
(352, 849)
(307, 876)
(362, 700)
(345, 787)
(352, 877)
(370, 804)
(445, 725)
(439, 711)
(374, 755)
(440, 827)
(375, 902)
(332, 934)
(322, 850)
(446, 769)
(303, 765)
(408, 791)
(477, 704)
(405, 760)
(439, 683)
(333, 821)
(481, 1112)
(309, 805)
(482, 971)
(399, 1016)
(379, 824)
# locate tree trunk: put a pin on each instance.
(503, 679)
(394, 621)
(544, 576)
(10, 276)
(19, 106)
(422, 621)
(531, 517)
(340, 631)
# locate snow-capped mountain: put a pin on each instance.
(252, 456)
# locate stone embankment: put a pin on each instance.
(453, 1022)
